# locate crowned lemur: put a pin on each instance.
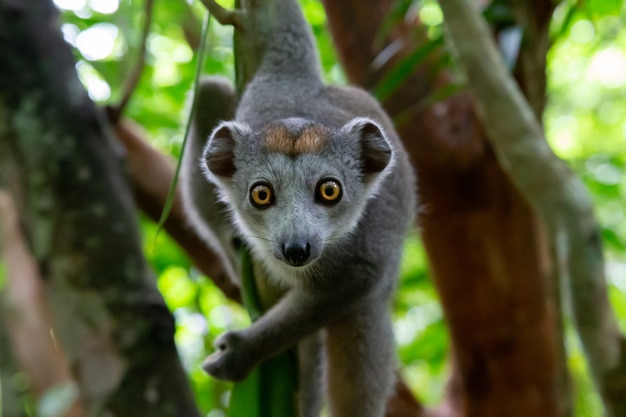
(315, 182)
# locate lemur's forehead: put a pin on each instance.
(295, 140)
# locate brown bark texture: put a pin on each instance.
(58, 161)
(486, 248)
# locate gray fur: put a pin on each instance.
(344, 286)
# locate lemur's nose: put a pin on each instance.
(297, 252)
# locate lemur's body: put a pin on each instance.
(319, 187)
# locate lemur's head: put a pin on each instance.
(295, 186)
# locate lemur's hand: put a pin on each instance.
(231, 361)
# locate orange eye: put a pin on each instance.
(261, 195)
(329, 191)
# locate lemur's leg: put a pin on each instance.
(310, 361)
(360, 362)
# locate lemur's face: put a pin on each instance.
(295, 187)
(291, 208)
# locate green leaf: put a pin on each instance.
(249, 293)
(245, 399)
(499, 12)
(279, 381)
(604, 7)
(405, 68)
(269, 390)
(397, 13)
(3, 275)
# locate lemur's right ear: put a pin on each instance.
(376, 152)
(219, 153)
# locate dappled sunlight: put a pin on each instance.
(97, 87)
(98, 6)
(587, 77)
(97, 42)
(608, 67)
(70, 4)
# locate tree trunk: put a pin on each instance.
(59, 163)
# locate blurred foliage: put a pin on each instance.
(584, 122)
(3, 275)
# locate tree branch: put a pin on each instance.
(534, 17)
(552, 189)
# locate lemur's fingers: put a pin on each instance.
(229, 362)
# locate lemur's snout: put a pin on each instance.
(297, 253)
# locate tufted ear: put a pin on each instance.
(375, 149)
(219, 153)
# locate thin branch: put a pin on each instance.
(225, 16)
(552, 189)
(192, 28)
(132, 80)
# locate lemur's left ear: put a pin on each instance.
(375, 148)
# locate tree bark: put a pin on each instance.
(59, 163)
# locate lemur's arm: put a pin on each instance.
(294, 317)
